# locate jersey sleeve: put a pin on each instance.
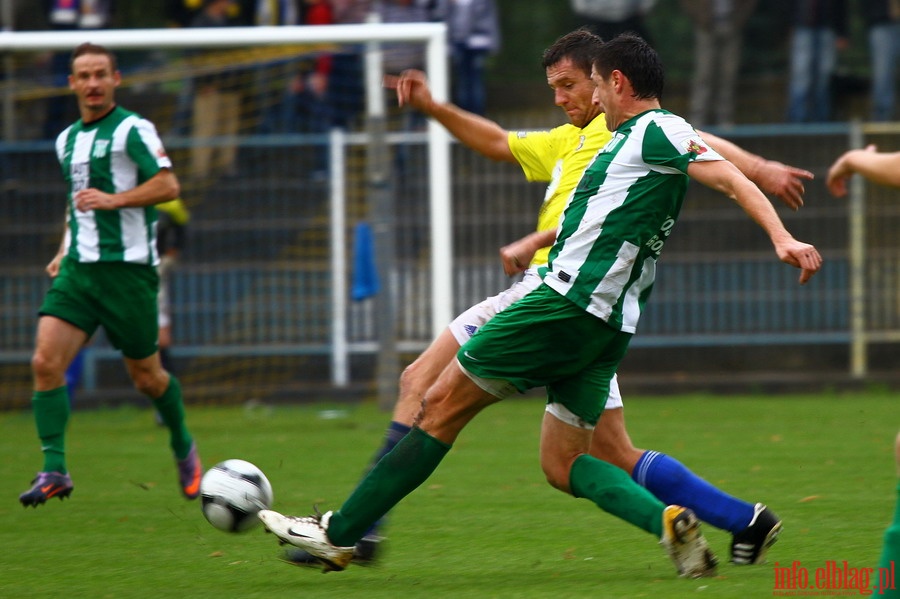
(146, 149)
(534, 151)
(671, 144)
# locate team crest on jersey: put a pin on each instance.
(101, 147)
(614, 141)
(580, 142)
(694, 147)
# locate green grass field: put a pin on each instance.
(485, 525)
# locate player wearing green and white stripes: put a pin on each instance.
(570, 334)
(105, 274)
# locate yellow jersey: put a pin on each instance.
(559, 157)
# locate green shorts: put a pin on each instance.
(118, 296)
(545, 340)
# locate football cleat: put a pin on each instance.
(46, 485)
(366, 552)
(310, 535)
(189, 473)
(685, 543)
(751, 544)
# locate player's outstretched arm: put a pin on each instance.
(476, 132)
(879, 167)
(781, 180)
(724, 176)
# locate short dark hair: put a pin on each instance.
(579, 46)
(89, 48)
(637, 60)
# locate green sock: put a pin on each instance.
(613, 490)
(890, 555)
(51, 415)
(170, 406)
(395, 476)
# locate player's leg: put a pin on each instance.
(568, 467)
(131, 322)
(424, 371)
(57, 344)
(755, 527)
(63, 328)
(565, 440)
(449, 405)
(415, 381)
(890, 554)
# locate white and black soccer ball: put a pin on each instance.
(232, 493)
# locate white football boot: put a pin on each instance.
(308, 533)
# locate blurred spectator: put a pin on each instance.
(401, 56)
(276, 12)
(347, 12)
(217, 103)
(819, 30)
(309, 89)
(69, 15)
(609, 18)
(272, 92)
(180, 13)
(883, 22)
(718, 40)
(346, 91)
(473, 32)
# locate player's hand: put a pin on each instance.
(52, 269)
(94, 199)
(784, 182)
(516, 257)
(802, 255)
(411, 87)
(841, 171)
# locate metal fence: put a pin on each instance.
(254, 306)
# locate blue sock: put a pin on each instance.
(674, 484)
(394, 433)
(392, 436)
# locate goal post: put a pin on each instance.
(370, 37)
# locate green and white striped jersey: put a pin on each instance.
(113, 154)
(619, 216)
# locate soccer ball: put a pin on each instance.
(232, 493)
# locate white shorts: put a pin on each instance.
(466, 324)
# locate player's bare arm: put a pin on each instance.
(161, 187)
(780, 180)
(476, 132)
(879, 167)
(517, 255)
(725, 177)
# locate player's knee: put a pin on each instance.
(47, 366)
(557, 473)
(149, 383)
(413, 381)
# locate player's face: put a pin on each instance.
(94, 82)
(602, 95)
(573, 91)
